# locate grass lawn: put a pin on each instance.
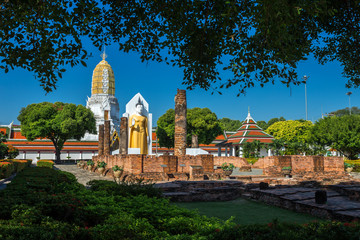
(247, 212)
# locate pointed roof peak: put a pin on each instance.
(103, 55)
(249, 119)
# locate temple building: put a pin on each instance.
(103, 102)
(248, 132)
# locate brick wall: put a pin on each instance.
(236, 161)
(141, 164)
(300, 164)
(334, 164)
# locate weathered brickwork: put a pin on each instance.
(236, 161)
(107, 137)
(200, 167)
(300, 164)
(101, 140)
(123, 149)
(180, 123)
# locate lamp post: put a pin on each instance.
(305, 78)
(349, 93)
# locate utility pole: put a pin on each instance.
(349, 94)
(305, 78)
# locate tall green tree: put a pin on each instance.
(165, 130)
(201, 123)
(230, 125)
(340, 133)
(291, 131)
(262, 124)
(57, 122)
(262, 40)
(276, 146)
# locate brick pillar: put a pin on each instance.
(180, 123)
(123, 148)
(107, 137)
(101, 140)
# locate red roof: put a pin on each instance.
(249, 132)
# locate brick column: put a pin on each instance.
(123, 145)
(180, 123)
(101, 140)
(107, 137)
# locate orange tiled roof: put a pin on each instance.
(249, 132)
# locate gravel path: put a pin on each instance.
(83, 176)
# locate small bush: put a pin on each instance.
(130, 188)
(252, 160)
(227, 167)
(101, 164)
(353, 163)
(6, 169)
(19, 165)
(29, 161)
(45, 163)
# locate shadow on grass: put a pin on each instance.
(247, 212)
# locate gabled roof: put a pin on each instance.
(249, 132)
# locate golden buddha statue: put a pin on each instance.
(139, 130)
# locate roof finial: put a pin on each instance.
(248, 109)
(103, 55)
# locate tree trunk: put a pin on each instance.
(57, 154)
(194, 141)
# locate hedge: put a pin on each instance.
(45, 163)
(6, 169)
(19, 165)
(42, 204)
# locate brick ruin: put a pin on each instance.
(204, 167)
(200, 167)
(180, 123)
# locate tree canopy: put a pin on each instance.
(201, 122)
(7, 151)
(291, 131)
(230, 125)
(257, 41)
(339, 133)
(346, 111)
(57, 122)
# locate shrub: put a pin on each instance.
(12, 152)
(353, 163)
(90, 163)
(227, 167)
(101, 164)
(19, 165)
(130, 188)
(251, 160)
(45, 163)
(117, 168)
(6, 169)
(29, 161)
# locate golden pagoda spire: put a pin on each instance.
(103, 80)
(103, 55)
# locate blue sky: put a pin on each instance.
(158, 82)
